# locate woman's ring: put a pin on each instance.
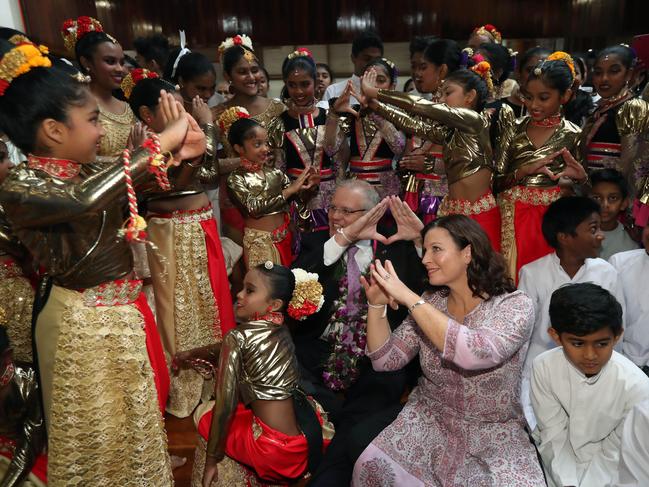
(386, 277)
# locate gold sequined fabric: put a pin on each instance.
(465, 207)
(117, 127)
(231, 473)
(100, 400)
(258, 195)
(258, 247)
(17, 297)
(186, 310)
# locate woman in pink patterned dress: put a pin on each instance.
(462, 424)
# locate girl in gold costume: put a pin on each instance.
(460, 124)
(192, 292)
(534, 153)
(261, 419)
(374, 143)
(15, 287)
(616, 134)
(101, 57)
(95, 335)
(297, 137)
(241, 69)
(262, 193)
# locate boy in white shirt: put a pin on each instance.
(633, 269)
(611, 191)
(583, 390)
(571, 226)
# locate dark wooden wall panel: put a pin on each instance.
(583, 23)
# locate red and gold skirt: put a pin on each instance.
(192, 294)
(522, 209)
(484, 211)
(98, 377)
(260, 246)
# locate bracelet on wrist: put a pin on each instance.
(379, 306)
(418, 303)
(342, 233)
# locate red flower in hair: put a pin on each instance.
(243, 115)
(490, 27)
(307, 309)
(3, 86)
(305, 51)
(237, 40)
(478, 58)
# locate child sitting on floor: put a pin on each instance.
(583, 390)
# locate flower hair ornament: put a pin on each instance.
(20, 60)
(229, 116)
(300, 51)
(483, 69)
(243, 41)
(491, 31)
(557, 56)
(307, 296)
(133, 78)
(73, 30)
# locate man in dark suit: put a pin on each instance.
(371, 401)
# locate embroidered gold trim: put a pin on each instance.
(465, 207)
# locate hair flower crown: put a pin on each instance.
(489, 29)
(483, 69)
(133, 78)
(307, 296)
(72, 30)
(238, 40)
(231, 115)
(20, 60)
(300, 51)
(557, 56)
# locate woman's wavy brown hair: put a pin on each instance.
(487, 273)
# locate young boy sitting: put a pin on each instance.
(633, 269)
(572, 227)
(611, 191)
(583, 390)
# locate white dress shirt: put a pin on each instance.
(634, 451)
(580, 419)
(539, 279)
(633, 269)
(333, 252)
(336, 89)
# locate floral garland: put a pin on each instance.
(348, 336)
(229, 116)
(133, 78)
(299, 52)
(307, 297)
(72, 30)
(489, 29)
(20, 60)
(483, 69)
(238, 40)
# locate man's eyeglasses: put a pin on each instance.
(344, 211)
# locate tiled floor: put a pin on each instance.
(182, 440)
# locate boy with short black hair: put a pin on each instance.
(571, 226)
(610, 189)
(366, 47)
(583, 390)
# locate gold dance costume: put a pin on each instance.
(22, 432)
(464, 134)
(16, 292)
(617, 136)
(257, 362)
(524, 202)
(231, 220)
(258, 195)
(192, 291)
(101, 408)
(118, 128)
(366, 148)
